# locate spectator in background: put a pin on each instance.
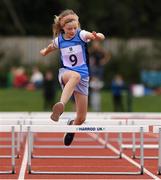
(117, 87)
(3, 77)
(48, 90)
(95, 98)
(20, 78)
(36, 78)
(98, 59)
(10, 77)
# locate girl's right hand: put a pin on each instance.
(43, 52)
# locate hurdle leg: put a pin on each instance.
(141, 151)
(31, 140)
(31, 143)
(18, 142)
(29, 150)
(120, 139)
(106, 139)
(133, 145)
(97, 136)
(159, 153)
(21, 135)
(13, 151)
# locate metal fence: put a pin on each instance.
(27, 48)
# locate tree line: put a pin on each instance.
(125, 18)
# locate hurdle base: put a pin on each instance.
(7, 172)
(85, 173)
(8, 157)
(159, 170)
(74, 157)
(145, 157)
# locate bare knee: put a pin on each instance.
(71, 75)
(76, 77)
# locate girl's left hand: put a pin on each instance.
(98, 36)
(94, 34)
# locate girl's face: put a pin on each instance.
(70, 29)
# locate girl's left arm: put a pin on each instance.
(98, 36)
(94, 36)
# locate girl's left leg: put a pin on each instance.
(81, 110)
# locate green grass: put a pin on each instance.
(24, 100)
(20, 100)
(147, 104)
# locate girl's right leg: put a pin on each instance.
(70, 79)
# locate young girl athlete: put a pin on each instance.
(74, 72)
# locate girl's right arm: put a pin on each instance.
(47, 50)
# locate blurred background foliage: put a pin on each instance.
(125, 19)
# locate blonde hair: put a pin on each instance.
(64, 17)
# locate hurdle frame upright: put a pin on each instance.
(12, 130)
(74, 128)
(157, 129)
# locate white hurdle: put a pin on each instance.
(18, 138)
(102, 115)
(83, 129)
(78, 139)
(8, 122)
(12, 129)
(133, 146)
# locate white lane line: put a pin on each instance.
(24, 163)
(102, 141)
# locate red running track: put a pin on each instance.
(124, 164)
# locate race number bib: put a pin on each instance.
(72, 56)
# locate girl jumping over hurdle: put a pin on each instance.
(74, 72)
